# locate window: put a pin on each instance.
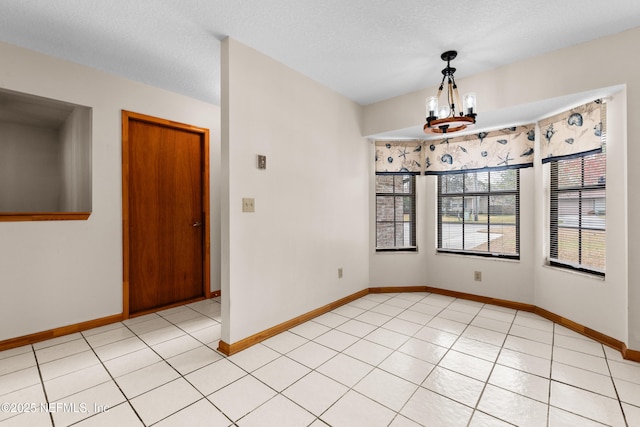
(578, 213)
(479, 213)
(395, 212)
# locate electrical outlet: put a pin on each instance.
(477, 276)
(248, 204)
(339, 272)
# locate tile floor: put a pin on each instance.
(408, 359)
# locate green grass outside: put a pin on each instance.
(593, 247)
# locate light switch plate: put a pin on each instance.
(248, 204)
(262, 161)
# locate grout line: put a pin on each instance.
(506, 335)
(448, 349)
(615, 388)
(348, 388)
(393, 350)
(553, 341)
(352, 388)
(434, 365)
(551, 381)
(178, 372)
(113, 380)
(44, 389)
(209, 364)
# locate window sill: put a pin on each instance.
(575, 271)
(411, 250)
(43, 216)
(478, 256)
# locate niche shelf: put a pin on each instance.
(45, 158)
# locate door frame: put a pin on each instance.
(204, 168)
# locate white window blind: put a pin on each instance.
(395, 212)
(574, 144)
(479, 213)
(578, 213)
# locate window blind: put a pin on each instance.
(479, 213)
(395, 212)
(577, 206)
(578, 213)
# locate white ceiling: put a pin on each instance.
(367, 50)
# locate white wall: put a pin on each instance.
(56, 273)
(501, 278)
(75, 161)
(612, 305)
(591, 300)
(313, 200)
(32, 183)
(311, 203)
(400, 268)
(453, 272)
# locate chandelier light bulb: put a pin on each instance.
(470, 103)
(455, 115)
(432, 106)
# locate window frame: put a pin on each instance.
(412, 195)
(489, 193)
(554, 225)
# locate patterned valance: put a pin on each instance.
(506, 148)
(399, 156)
(576, 132)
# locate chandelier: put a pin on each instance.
(447, 119)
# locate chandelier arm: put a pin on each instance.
(450, 98)
(455, 88)
(441, 85)
(440, 90)
(452, 123)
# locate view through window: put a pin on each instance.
(479, 212)
(395, 212)
(578, 213)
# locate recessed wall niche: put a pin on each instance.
(45, 158)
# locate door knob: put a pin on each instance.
(197, 224)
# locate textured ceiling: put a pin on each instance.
(367, 50)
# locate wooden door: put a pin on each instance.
(165, 210)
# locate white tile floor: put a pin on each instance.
(405, 359)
